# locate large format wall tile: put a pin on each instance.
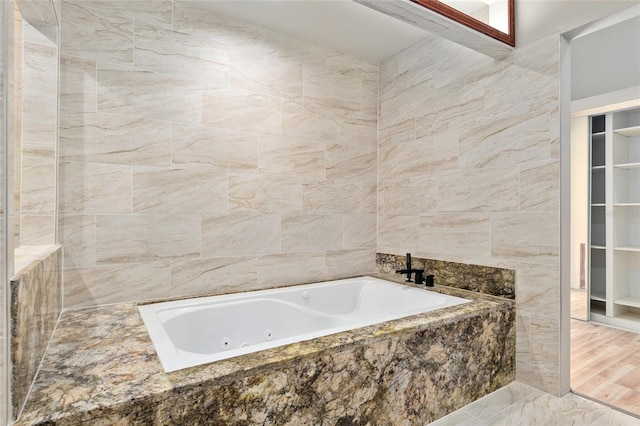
(292, 268)
(479, 190)
(200, 154)
(39, 121)
(102, 36)
(139, 238)
(178, 191)
(223, 149)
(38, 186)
(97, 285)
(213, 276)
(184, 55)
(310, 232)
(532, 237)
(249, 235)
(149, 95)
(264, 194)
(306, 120)
(94, 188)
(78, 82)
(157, 12)
(482, 134)
(350, 263)
(264, 74)
(77, 233)
(239, 109)
(115, 139)
(359, 230)
(37, 230)
(302, 157)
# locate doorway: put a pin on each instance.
(602, 282)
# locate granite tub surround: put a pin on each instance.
(196, 133)
(36, 304)
(483, 279)
(101, 368)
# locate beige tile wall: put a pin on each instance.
(199, 155)
(35, 179)
(469, 172)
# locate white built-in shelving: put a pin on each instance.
(615, 218)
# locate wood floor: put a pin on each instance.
(605, 364)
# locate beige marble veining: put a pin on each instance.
(311, 233)
(308, 120)
(253, 193)
(333, 197)
(349, 262)
(113, 139)
(211, 276)
(252, 126)
(149, 95)
(177, 191)
(38, 185)
(101, 36)
(106, 188)
(228, 235)
(39, 121)
(359, 231)
(239, 109)
(78, 83)
(499, 119)
(291, 268)
(479, 190)
(369, 370)
(146, 237)
(182, 55)
(91, 285)
(302, 156)
(525, 236)
(205, 147)
(37, 229)
(157, 12)
(265, 74)
(538, 191)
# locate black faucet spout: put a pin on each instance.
(408, 270)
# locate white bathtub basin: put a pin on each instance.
(197, 331)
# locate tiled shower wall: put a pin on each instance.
(36, 156)
(200, 155)
(469, 172)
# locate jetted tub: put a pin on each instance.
(196, 331)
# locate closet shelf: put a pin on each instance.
(632, 301)
(627, 248)
(598, 247)
(598, 205)
(627, 204)
(628, 131)
(598, 167)
(627, 166)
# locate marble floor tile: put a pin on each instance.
(520, 404)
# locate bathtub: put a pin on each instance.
(196, 331)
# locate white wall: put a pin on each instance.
(606, 61)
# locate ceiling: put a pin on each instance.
(353, 28)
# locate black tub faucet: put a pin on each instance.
(408, 270)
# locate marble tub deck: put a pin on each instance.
(101, 367)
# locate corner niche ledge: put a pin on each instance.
(428, 20)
